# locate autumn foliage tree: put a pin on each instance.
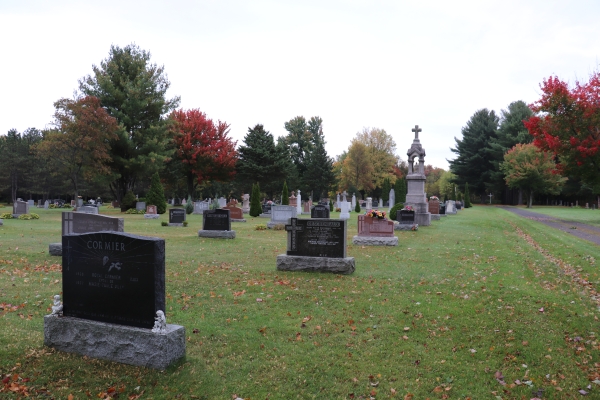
(527, 167)
(568, 126)
(203, 148)
(78, 147)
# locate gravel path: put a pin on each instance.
(582, 231)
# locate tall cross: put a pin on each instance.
(416, 130)
(293, 228)
(490, 196)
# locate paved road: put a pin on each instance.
(582, 231)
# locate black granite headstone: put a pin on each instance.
(442, 209)
(316, 238)
(266, 208)
(113, 277)
(405, 216)
(176, 215)
(319, 211)
(86, 223)
(177, 202)
(216, 220)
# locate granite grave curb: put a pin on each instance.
(375, 240)
(151, 216)
(119, 343)
(344, 266)
(216, 234)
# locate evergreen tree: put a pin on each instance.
(189, 205)
(319, 176)
(467, 196)
(357, 207)
(260, 161)
(400, 189)
(128, 201)
(156, 195)
(472, 163)
(255, 208)
(133, 91)
(285, 200)
(330, 205)
(385, 189)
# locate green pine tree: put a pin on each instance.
(385, 189)
(330, 205)
(156, 195)
(128, 201)
(357, 207)
(400, 190)
(255, 208)
(285, 200)
(189, 205)
(467, 196)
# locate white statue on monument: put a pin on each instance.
(57, 308)
(160, 323)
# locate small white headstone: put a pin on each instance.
(353, 204)
(299, 204)
(369, 203)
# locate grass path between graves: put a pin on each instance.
(481, 305)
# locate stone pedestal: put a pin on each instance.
(406, 227)
(342, 266)
(119, 343)
(435, 217)
(217, 234)
(375, 241)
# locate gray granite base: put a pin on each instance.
(423, 219)
(175, 224)
(443, 215)
(55, 249)
(123, 344)
(375, 241)
(238, 220)
(344, 266)
(406, 227)
(216, 234)
(451, 213)
(265, 215)
(435, 217)
(272, 224)
(151, 216)
(1, 222)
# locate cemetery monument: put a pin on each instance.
(416, 181)
(217, 224)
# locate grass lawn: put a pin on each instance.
(479, 305)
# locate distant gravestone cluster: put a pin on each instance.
(114, 282)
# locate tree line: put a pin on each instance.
(120, 129)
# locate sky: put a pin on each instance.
(356, 64)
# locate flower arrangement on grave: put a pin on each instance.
(375, 214)
(408, 208)
(434, 198)
(270, 202)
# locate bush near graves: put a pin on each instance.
(255, 208)
(134, 211)
(397, 207)
(156, 195)
(128, 202)
(6, 216)
(260, 227)
(189, 205)
(285, 199)
(29, 216)
(357, 207)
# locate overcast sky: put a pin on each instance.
(384, 64)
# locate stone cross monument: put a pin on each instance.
(416, 181)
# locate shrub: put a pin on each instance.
(260, 227)
(189, 206)
(156, 195)
(255, 208)
(29, 216)
(279, 227)
(285, 199)
(164, 223)
(397, 207)
(330, 205)
(6, 216)
(338, 209)
(67, 206)
(185, 223)
(128, 201)
(467, 196)
(134, 211)
(357, 207)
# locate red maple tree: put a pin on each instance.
(203, 147)
(568, 126)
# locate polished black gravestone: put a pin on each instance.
(316, 245)
(113, 287)
(216, 220)
(319, 211)
(405, 216)
(442, 209)
(113, 277)
(266, 208)
(176, 216)
(216, 224)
